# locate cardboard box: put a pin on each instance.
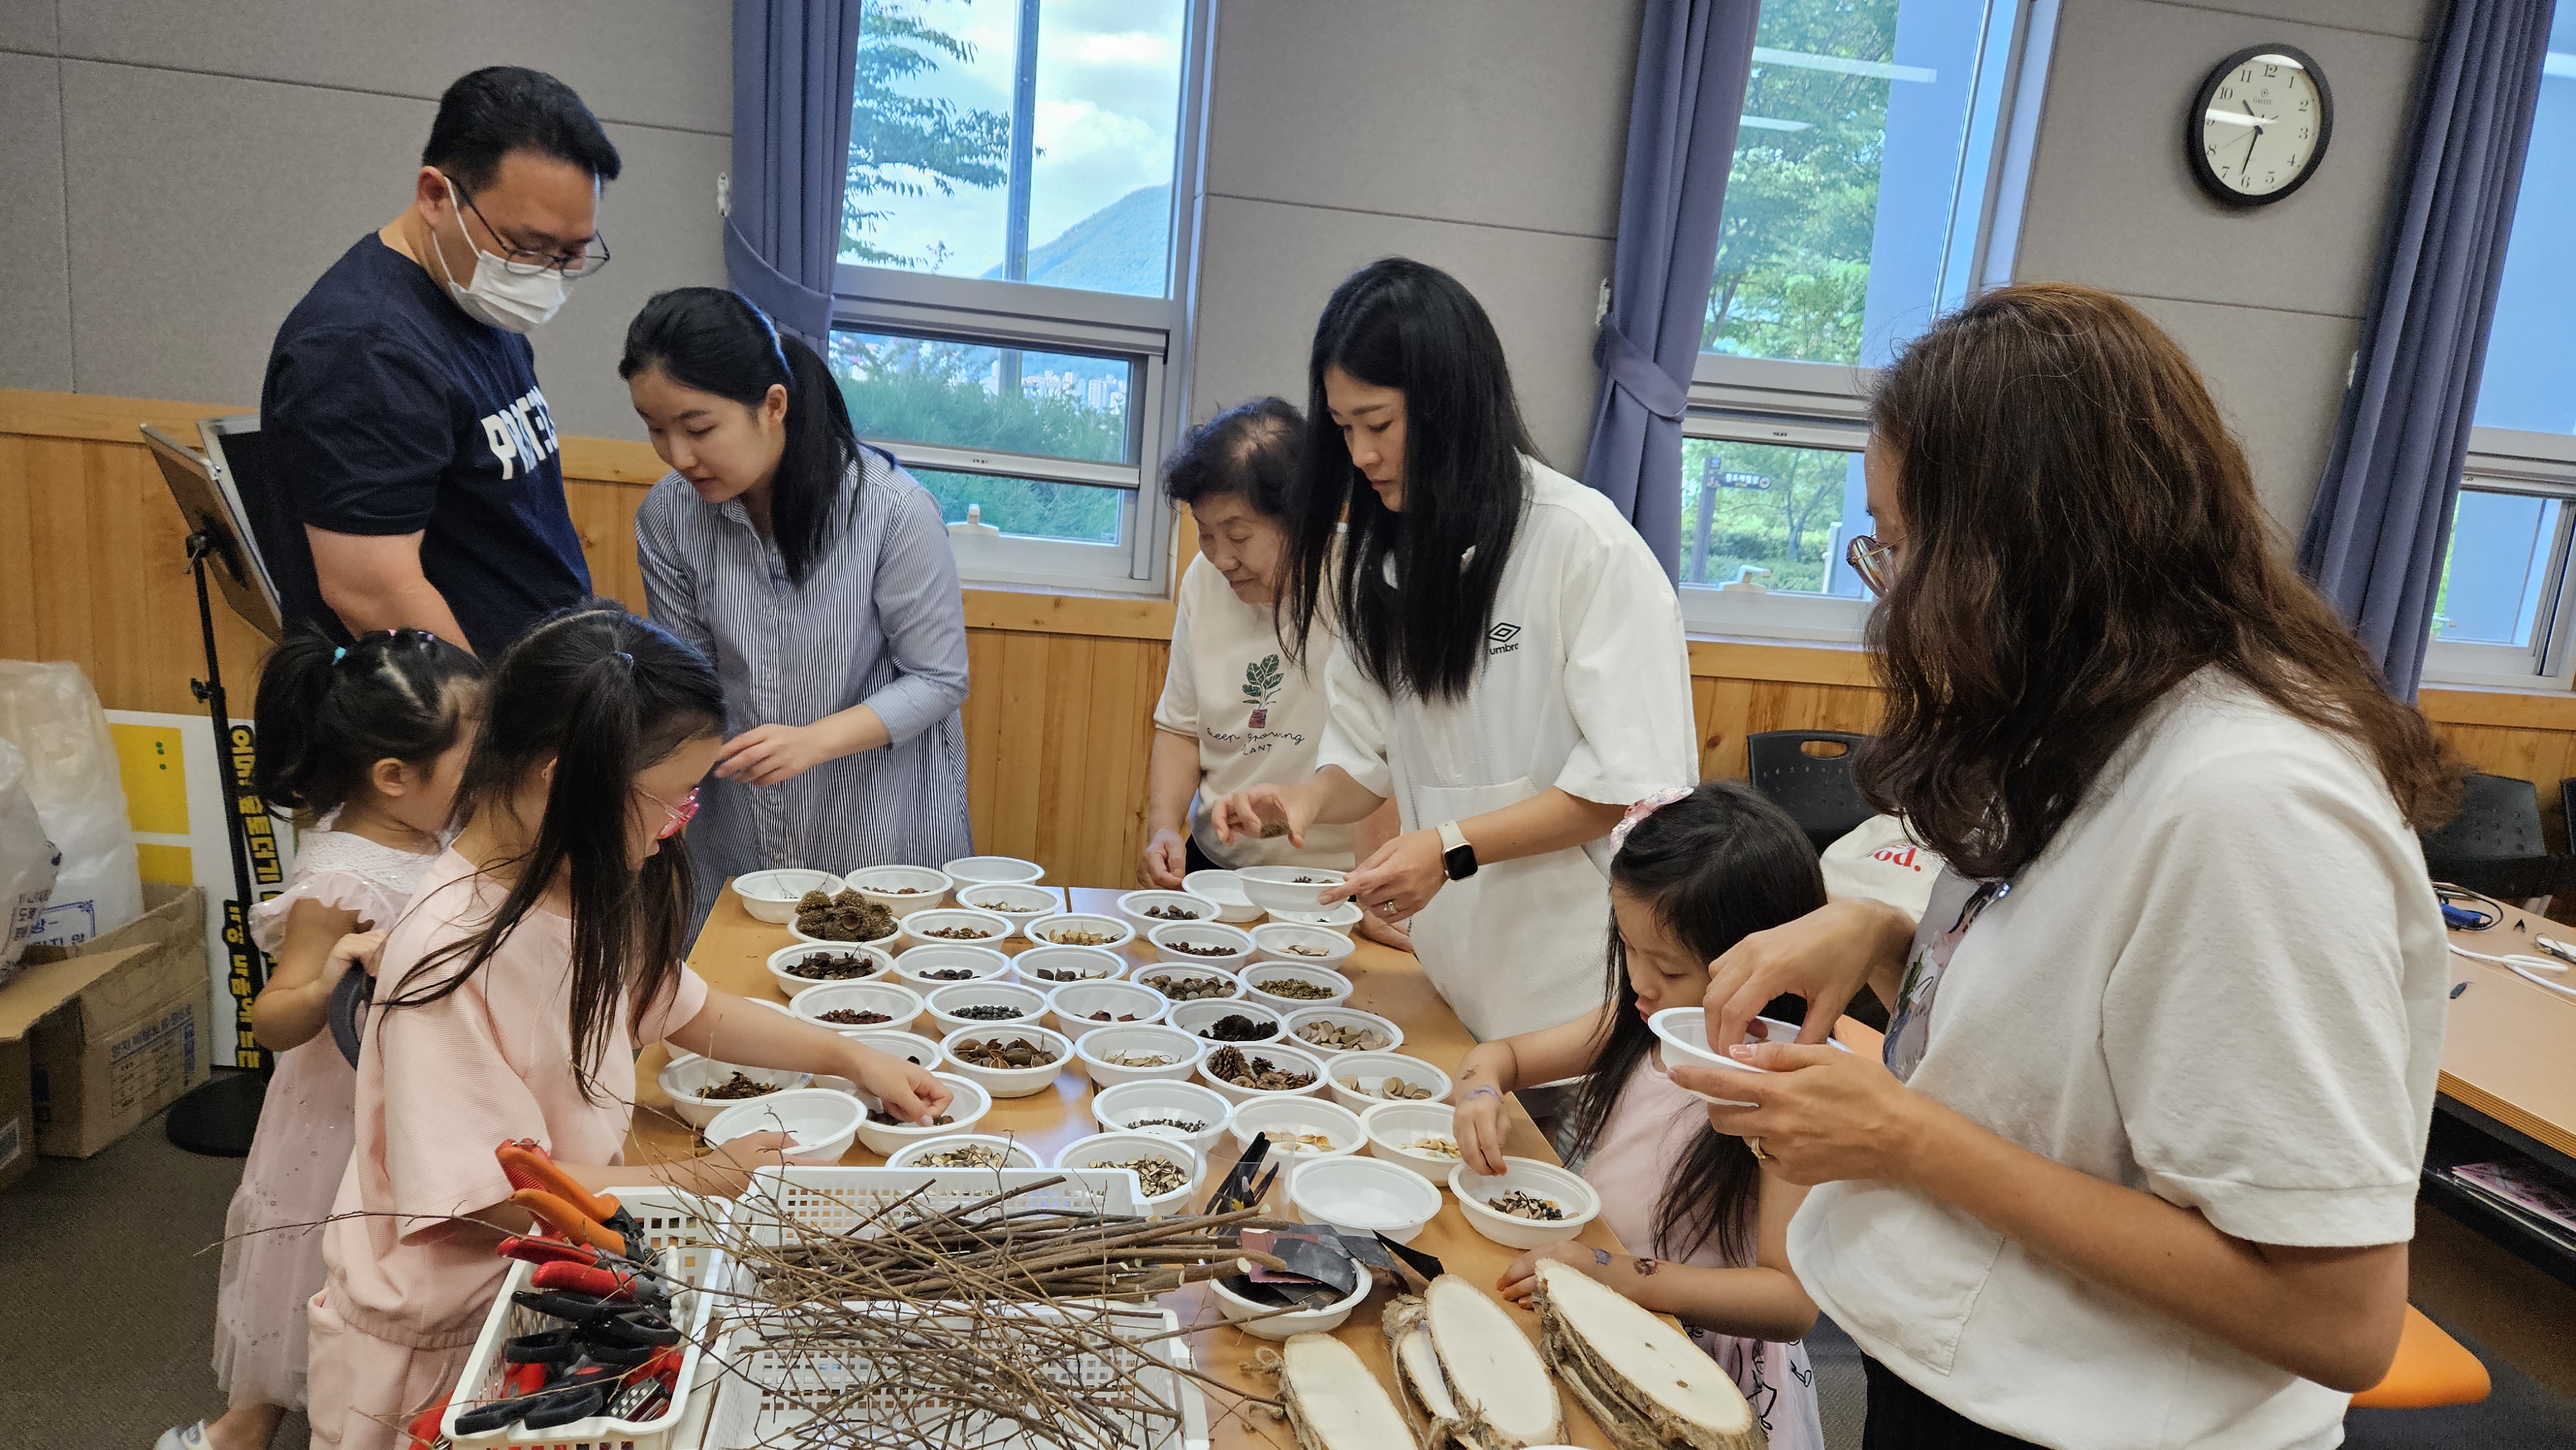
(17, 1113)
(115, 1028)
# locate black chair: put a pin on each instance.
(1816, 788)
(2495, 844)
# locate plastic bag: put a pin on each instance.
(27, 861)
(52, 715)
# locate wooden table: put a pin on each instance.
(733, 953)
(2508, 1084)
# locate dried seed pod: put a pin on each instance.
(1333, 1402)
(1642, 1380)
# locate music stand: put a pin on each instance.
(219, 1116)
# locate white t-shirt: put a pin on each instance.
(2223, 984)
(1257, 716)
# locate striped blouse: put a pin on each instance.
(879, 621)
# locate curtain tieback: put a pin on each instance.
(1637, 374)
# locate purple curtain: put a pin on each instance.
(794, 68)
(1692, 63)
(2376, 536)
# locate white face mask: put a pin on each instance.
(496, 296)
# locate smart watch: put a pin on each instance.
(1455, 854)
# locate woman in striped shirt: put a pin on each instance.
(815, 575)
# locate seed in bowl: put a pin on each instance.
(1181, 1125)
(999, 909)
(1294, 990)
(994, 1052)
(1187, 989)
(853, 1017)
(1296, 1142)
(946, 974)
(737, 1087)
(1066, 974)
(1139, 1057)
(1259, 1073)
(1235, 1027)
(885, 1119)
(1105, 1017)
(1333, 1037)
(988, 1012)
(1307, 881)
(903, 890)
(1171, 913)
(1521, 1203)
(1436, 1147)
(1185, 949)
(1394, 1087)
(832, 966)
(964, 931)
(1157, 1176)
(1296, 950)
(1077, 936)
(846, 917)
(973, 1155)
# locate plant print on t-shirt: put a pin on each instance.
(1261, 681)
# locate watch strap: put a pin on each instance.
(1457, 857)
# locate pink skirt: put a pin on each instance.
(272, 1263)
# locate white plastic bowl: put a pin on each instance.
(1276, 1114)
(990, 930)
(786, 957)
(1287, 888)
(1195, 1018)
(1135, 904)
(1337, 988)
(967, 1104)
(1094, 1049)
(820, 1121)
(1279, 941)
(771, 896)
(1226, 890)
(1572, 1194)
(1373, 1068)
(1015, 1154)
(1091, 964)
(1170, 937)
(945, 1001)
(1297, 1021)
(1364, 1196)
(1069, 1007)
(919, 967)
(684, 1078)
(1009, 1082)
(1014, 902)
(883, 943)
(1284, 1058)
(967, 870)
(1103, 1148)
(1116, 1110)
(901, 1005)
(902, 890)
(912, 1047)
(1046, 930)
(1340, 918)
(1285, 1326)
(1392, 1125)
(1161, 971)
(1683, 1034)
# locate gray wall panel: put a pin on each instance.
(2279, 378)
(27, 25)
(35, 306)
(2414, 19)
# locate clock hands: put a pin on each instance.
(2248, 168)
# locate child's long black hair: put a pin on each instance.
(1714, 868)
(712, 339)
(1400, 324)
(604, 696)
(327, 714)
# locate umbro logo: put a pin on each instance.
(1503, 633)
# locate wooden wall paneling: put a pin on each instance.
(603, 514)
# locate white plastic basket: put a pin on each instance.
(838, 1200)
(675, 1224)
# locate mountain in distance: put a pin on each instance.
(1123, 247)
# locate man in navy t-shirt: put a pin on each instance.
(401, 411)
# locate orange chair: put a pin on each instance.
(2432, 1369)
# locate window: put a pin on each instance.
(2505, 613)
(1875, 185)
(1008, 321)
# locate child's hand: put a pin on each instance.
(1521, 1279)
(907, 1088)
(360, 949)
(1480, 1124)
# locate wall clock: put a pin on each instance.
(2259, 125)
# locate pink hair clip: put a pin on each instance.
(1643, 809)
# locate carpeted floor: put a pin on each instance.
(109, 1269)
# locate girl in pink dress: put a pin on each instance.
(374, 738)
(542, 951)
(1692, 872)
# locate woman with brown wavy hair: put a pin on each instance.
(2139, 1165)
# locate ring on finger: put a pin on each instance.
(1386, 908)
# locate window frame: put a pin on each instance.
(2529, 465)
(1152, 333)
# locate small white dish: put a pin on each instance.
(1286, 1059)
(819, 1121)
(1335, 989)
(1287, 1326)
(782, 963)
(1138, 907)
(1014, 1153)
(1012, 901)
(771, 896)
(1200, 1018)
(1287, 888)
(1546, 1180)
(977, 870)
(1393, 1127)
(1201, 944)
(1226, 890)
(1151, 977)
(1009, 1082)
(684, 1079)
(1070, 1007)
(1276, 1114)
(1682, 1032)
(1079, 929)
(1373, 1069)
(902, 890)
(933, 966)
(1121, 1108)
(1101, 1149)
(1341, 917)
(1350, 1018)
(898, 1004)
(1301, 946)
(954, 926)
(1047, 968)
(946, 1002)
(1095, 1049)
(912, 1047)
(1364, 1196)
(967, 1105)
